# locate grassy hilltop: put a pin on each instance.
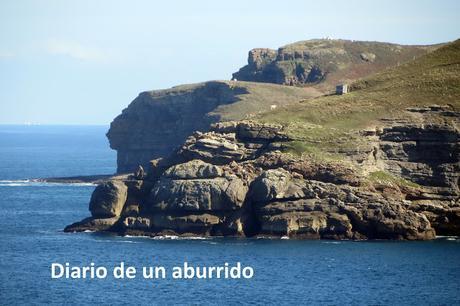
(329, 124)
(325, 62)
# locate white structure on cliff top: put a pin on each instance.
(341, 89)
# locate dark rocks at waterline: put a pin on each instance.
(221, 183)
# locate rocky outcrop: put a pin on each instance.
(319, 60)
(426, 154)
(444, 216)
(108, 199)
(198, 194)
(422, 148)
(429, 156)
(203, 166)
(234, 181)
(311, 209)
(157, 122)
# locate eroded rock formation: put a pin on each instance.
(235, 181)
(379, 163)
(314, 61)
(157, 122)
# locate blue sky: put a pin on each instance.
(82, 62)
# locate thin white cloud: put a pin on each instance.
(74, 50)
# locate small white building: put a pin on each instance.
(341, 89)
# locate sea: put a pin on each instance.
(285, 272)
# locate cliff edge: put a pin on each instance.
(382, 162)
(325, 61)
(159, 121)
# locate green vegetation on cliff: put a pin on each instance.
(331, 123)
(379, 163)
(325, 62)
(158, 121)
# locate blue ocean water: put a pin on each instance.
(286, 271)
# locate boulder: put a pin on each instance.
(276, 184)
(108, 199)
(217, 194)
(270, 185)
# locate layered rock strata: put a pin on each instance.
(235, 181)
(157, 122)
(318, 60)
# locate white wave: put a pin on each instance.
(174, 237)
(35, 183)
(11, 184)
(448, 238)
(14, 181)
(136, 236)
(166, 237)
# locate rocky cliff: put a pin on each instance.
(234, 180)
(324, 61)
(157, 122)
(382, 162)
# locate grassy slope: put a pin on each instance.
(260, 97)
(330, 123)
(252, 98)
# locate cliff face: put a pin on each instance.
(323, 60)
(157, 122)
(234, 181)
(382, 162)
